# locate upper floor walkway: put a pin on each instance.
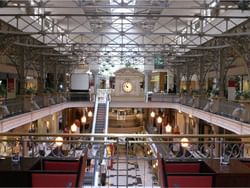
(233, 116)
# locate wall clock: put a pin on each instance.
(127, 87)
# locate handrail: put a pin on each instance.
(94, 118)
(206, 146)
(226, 109)
(148, 159)
(106, 115)
(118, 135)
(166, 138)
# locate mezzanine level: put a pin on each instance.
(229, 115)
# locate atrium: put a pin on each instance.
(124, 93)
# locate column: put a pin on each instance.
(221, 73)
(41, 75)
(216, 151)
(54, 128)
(246, 150)
(21, 70)
(186, 120)
(96, 79)
(162, 81)
(41, 126)
(146, 80)
(55, 77)
(25, 147)
(201, 75)
(107, 83)
(177, 78)
(188, 78)
(170, 82)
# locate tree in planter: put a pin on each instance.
(214, 92)
(3, 3)
(4, 108)
(240, 95)
(184, 91)
(49, 90)
(195, 92)
(246, 95)
(29, 91)
(3, 91)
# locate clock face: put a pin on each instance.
(127, 86)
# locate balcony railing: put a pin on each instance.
(237, 110)
(27, 103)
(123, 150)
(171, 146)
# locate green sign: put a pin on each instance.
(159, 62)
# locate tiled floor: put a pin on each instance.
(139, 174)
(130, 173)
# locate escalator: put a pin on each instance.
(99, 126)
(100, 118)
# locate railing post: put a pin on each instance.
(32, 146)
(168, 148)
(22, 143)
(127, 153)
(221, 147)
(25, 151)
(117, 162)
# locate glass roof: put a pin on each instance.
(124, 56)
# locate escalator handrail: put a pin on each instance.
(106, 117)
(94, 118)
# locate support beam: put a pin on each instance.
(221, 80)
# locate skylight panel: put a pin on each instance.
(120, 4)
(122, 57)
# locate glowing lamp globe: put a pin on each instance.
(152, 114)
(168, 128)
(73, 128)
(159, 120)
(184, 142)
(90, 114)
(83, 119)
(59, 141)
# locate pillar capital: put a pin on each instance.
(148, 72)
(94, 71)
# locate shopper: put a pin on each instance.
(90, 156)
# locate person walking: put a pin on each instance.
(90, 156)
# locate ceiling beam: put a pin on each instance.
(126, 6)
(243, 16)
